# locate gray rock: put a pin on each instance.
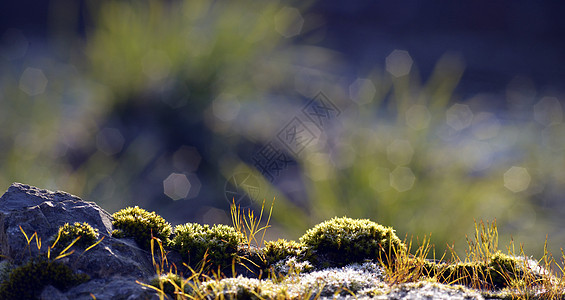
(115, 288)
(42, 212)
(114, 265)
(113, 257)
(51, 293)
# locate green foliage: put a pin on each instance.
(344, 240)
(68, 233)
(219, 243)
(27, 281)
(141, 225)
(280, 249)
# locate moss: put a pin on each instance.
(68, 233)
(503, 269)
(496, 273)
(219, 242)
(27, 281)
(342, 241)
(251, 261)
(6, 267)
(280, 249)
(141, 225)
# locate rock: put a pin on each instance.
(50, 293)
(116, 288)
(114, 265)
(43, 212)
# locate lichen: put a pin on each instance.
(291, 266)
(342, 241)
(141, 225)
(242, 288)
(332, 282)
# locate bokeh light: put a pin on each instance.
(459, 116)
(226, 107)
(399, 63)
(418, 117)
(289, 22)
(33, 81)
(402, 179)
(548, 111)
(176, 186)
(195, 186)
(517, 179)
(362, 90)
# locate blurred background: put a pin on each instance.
(424, 116)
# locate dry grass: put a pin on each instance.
(484, 268)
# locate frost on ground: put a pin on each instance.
(331, 282)
(356, 281)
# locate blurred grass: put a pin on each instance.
(394, 159)
(168, 60)
(178, 61)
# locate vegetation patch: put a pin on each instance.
(214, 246)
(342, 241)
(141, 225)
(281, 249)
(68, 233)
(27, 281)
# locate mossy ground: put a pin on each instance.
(28, 280)
(351, 258)
(344, 257)
(141, 225)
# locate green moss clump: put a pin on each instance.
(219, 242)
(141, 225)
(503, 269)
(342, 241)
(280, 249)
(68, 233)
(498, 272)
(27, 281)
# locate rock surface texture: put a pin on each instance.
(113, 265)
